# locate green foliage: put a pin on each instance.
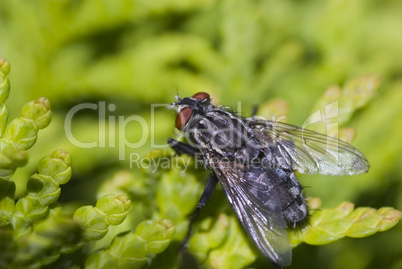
(134, 250)
(328, 225)
(43, 190)
(177, 195)
(35, 230)
(342, 103)
(109, 210)
(293, 58)
(218, 245)
(221, 243)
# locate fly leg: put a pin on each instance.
(206, 194)
(209, 188)
(181, 147)
(254, 110)
(276, 266)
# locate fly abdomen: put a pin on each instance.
(296, 211)
(290, 194)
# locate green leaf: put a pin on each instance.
(22, 132)
(329, 225)
(340, 104)
(222, 244)
(177, 195)
(134, 250)
(115, 207)
(4, 88)
(4, 66)
(7, 190)
(95, 221)
(10, 160)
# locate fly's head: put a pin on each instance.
(190, 108)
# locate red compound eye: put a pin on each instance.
(201, 96)
(183, 117)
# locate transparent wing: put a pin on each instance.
(307, 151)
(257, 207)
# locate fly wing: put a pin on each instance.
(258, 209)
(307, 151)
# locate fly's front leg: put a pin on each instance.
(181, 147)
(206, 194)
(254, 110)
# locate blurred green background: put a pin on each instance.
(134, 54)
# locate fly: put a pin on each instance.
(255, 162)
